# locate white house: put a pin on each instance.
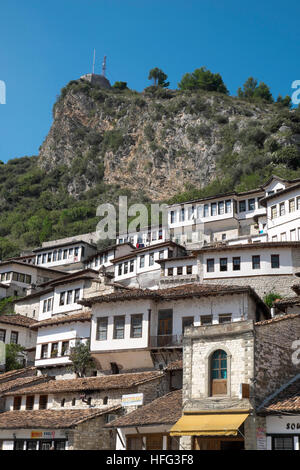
(15, 329)
(68, 256)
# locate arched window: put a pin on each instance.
(219, 373)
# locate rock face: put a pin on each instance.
(159, 142)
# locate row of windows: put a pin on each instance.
(48, 305)
(136, 325)
(58, 255)
(278, 210)
(43, 402)
(213, 209)
(128, 266)
(179, 270)
(54, 349)
(69, 297)
(19, 277)
(143, 238)
(98, 260)
(236, 263)
(283, 236)
(35, 444)
(14, 336)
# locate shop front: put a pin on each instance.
(33, 440)
(283, 432)
(213, 430)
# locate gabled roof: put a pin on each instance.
(50, 419)
(17, 320)
(17, 373)
(164, 410)
(61, 245)
(153, 247)
(28, 265)
(21, 382)
(70, 277)
(59, 320)
(88, 384)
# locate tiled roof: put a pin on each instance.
(164, 410)
(278, 318)
(182, 291)
(17, 373)
(17, 320)
(287, 400)
(286, 301)
(72, 277)
(19, 382)
(246, 246)
(175, 365)
(49, 419)
(105, 382)
(57, 320)
(156, 246)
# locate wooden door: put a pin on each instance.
(201, 443)
(219, 387)
(154, 442)
(165, 326)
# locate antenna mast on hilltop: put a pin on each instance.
(94, 61)
(104, 66)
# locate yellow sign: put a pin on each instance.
(36, 434)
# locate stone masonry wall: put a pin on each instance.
(90, 435)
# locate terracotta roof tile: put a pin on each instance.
(20, 382)
(175, 365)
(164, 410)
(105, 382)
(286, 400)
(286, 301)
(49, 419)
(278, 318)
(56, 320)
(17, 320)
(17, 373)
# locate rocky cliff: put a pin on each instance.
(162, 142)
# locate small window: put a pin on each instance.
(105, 400)
(170, 271)
(179, 271)
(225, 318)
(29, 402)
(275, 261)
(65, 348)
(76, 295)
(213, 209)
(142, 261)
(291, 205)
(59, 253)
(49, 257)
(119, 327)
(282, 209)
(69, 296)
(65, 254)
(221, 207)
(242, 206)
(62, 298)
(236, 263)
(219, 373)
(189, 269)
(136, 330)
(210, 265)
(102, 325)
(54, 349)
(273, 212)
(43, 401)
(151, 259)
(206, 320)
(120, 270)
(44, 351)
(14, 336)
(17, 403)
(186, 322)
(251, 204)
(73, 401)
(45, 306)
(172, 216)
(182, 215)
(2, 335)
(256, 262)
(131, 266)
(125, 268)
(62, 403)
(206, 210)
(228, 206)
(114, 368)
(54, 255)
(223, 264)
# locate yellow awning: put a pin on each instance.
(209, 424)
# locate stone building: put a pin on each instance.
(228, 370)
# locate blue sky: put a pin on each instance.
(46, 43)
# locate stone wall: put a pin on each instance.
(273, 354)
(90, 435)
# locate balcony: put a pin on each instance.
(165, 341)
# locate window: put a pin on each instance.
(76, 295)
(182, 215)
(186, 322)
(293, 235)
(73, 401)
(189, 269)
(62, 298)
(44, 351)
(76, 251)
(49, 257)
(62, 403)
(136, 329)
(142, 261)
(119, 327)
(213, 209)
(101, 332)
(251, 204)
(69, 296)
(291, 205)
(65, 348)
(210, 265)
(39, 259)
(14, 337)
(205, 210)
(219, 373)
(221, 207)
(2, 335)
(275, 261)
(281, 208)
(49, 305)
(191, 212)
(179, 271)
(225, 318)
(59, 255)
(223, 264)
(54, 255)
(17, 403)
(134, 443)
(105, 400)
(256, 262)
(199, 212)
(131, 266)
(206, 320)
(161, 254)
(125, 268)
(43, 400)
(228, 206)
(114, 368)
(44, 258)
(29, 402)
(45, 306)
(151, 259)
(283, 443)
(120, 270)
(283, 237)
(71, 252)
(170, 271)
(242, 206)
(54, 349)
(273, 212)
